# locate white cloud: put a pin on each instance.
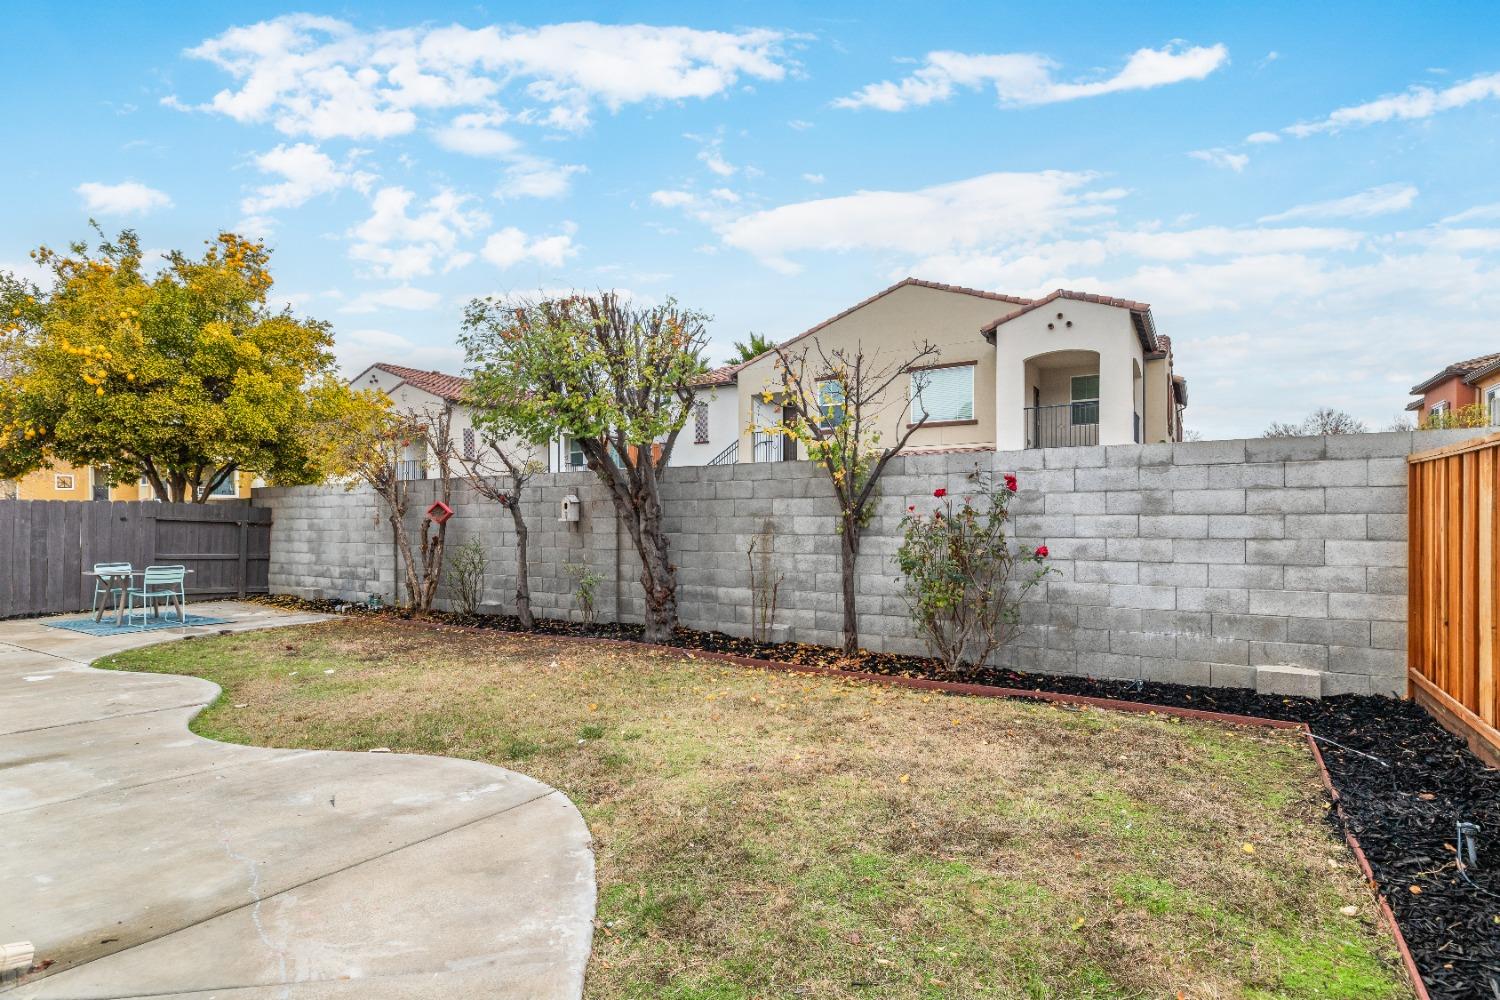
(510, 246)
(929, 220)
(814, 178)
(1261, 138)
(724, 194)
(127, 198)
(1416, 102)
(1479, 213)
(672, 199)
(1022, 78)
(322, 77)
(1381, 200)
(476, 134)
(801, 125)
(530, 177)
(403, 245)
(404, 297)
(306, 173)
(1223, 158)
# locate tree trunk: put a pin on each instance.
(658, 575)
(408, 561)
(523, 583)
(848, 555)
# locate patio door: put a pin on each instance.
(765, 446)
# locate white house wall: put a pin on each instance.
(1105, 330)
(723, 428)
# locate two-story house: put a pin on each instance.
(1064, 370)
(1461, 384)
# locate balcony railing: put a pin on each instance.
(1062, 425)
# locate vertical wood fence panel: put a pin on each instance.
(46, 545)
(1453, 653)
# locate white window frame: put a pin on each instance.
(228, 488)
(827, 404)
(918, 383)
(1441, 406)
(569, 444)
(57, 482)
(1076, 401)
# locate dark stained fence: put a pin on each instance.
(47, 545)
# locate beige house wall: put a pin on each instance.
(887, 329)
(1157, 425)
(43, 485)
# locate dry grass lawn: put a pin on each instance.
(762, 834)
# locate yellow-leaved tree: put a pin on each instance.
(184, 375)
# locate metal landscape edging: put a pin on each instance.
(992, 691)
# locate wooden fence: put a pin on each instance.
(1454, 583)
(47, 545)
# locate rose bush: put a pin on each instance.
(962, 578)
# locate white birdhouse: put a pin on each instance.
(570, 508)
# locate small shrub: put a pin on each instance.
(962, 579)
(765, 583)
(1473, 415)
(467, 566)
(585, 588)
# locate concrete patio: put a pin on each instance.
(143, 860)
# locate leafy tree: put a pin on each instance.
(1318, 423)
(752, 347)
(615, 377)
(372, 444)
(520, 463)
(185, 376)
(833, 403)
(1472, 415)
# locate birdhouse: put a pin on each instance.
(440, 512)
(570, 508)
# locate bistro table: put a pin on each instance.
(121, 581)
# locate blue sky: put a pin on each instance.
(1306, 194)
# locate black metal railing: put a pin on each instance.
(1062, 425)
(729, 456)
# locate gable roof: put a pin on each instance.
(439, 384)
(722, 375)
(1458, 368)
(1140, 314)
(903, 283)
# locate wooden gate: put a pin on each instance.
(1454, 583)
(46, 545)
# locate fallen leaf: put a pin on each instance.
(1349, 911)
(904, 778)
(1248, 848)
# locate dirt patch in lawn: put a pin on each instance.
(765, 834)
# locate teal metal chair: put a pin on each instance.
(103, 582)
(159, 583)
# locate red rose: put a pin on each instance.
(911, 508)
(1010, 483)
(1041, 551)
(939, 492)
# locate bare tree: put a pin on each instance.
(836, 408)
(372, 444)
(521, 463)
(1320, 422)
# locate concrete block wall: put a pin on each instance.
(1199, 563)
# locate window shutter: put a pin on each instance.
(942, 394)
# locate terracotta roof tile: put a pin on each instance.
(1459, 368)
(918, 282)
(722, 375)
(440, 384)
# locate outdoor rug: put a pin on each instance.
(108, 627)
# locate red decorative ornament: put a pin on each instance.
(1010, 483)
(440, 512)
(940, 492)
(1041, 551)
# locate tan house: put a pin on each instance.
(66, 482)
(1064, 370)
(1461, 384)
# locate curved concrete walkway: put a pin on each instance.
(143, 860)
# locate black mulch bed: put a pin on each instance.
(1405, 783)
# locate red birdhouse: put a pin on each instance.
(440, 512)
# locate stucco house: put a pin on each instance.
(1461, 384)
(1067, 369)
